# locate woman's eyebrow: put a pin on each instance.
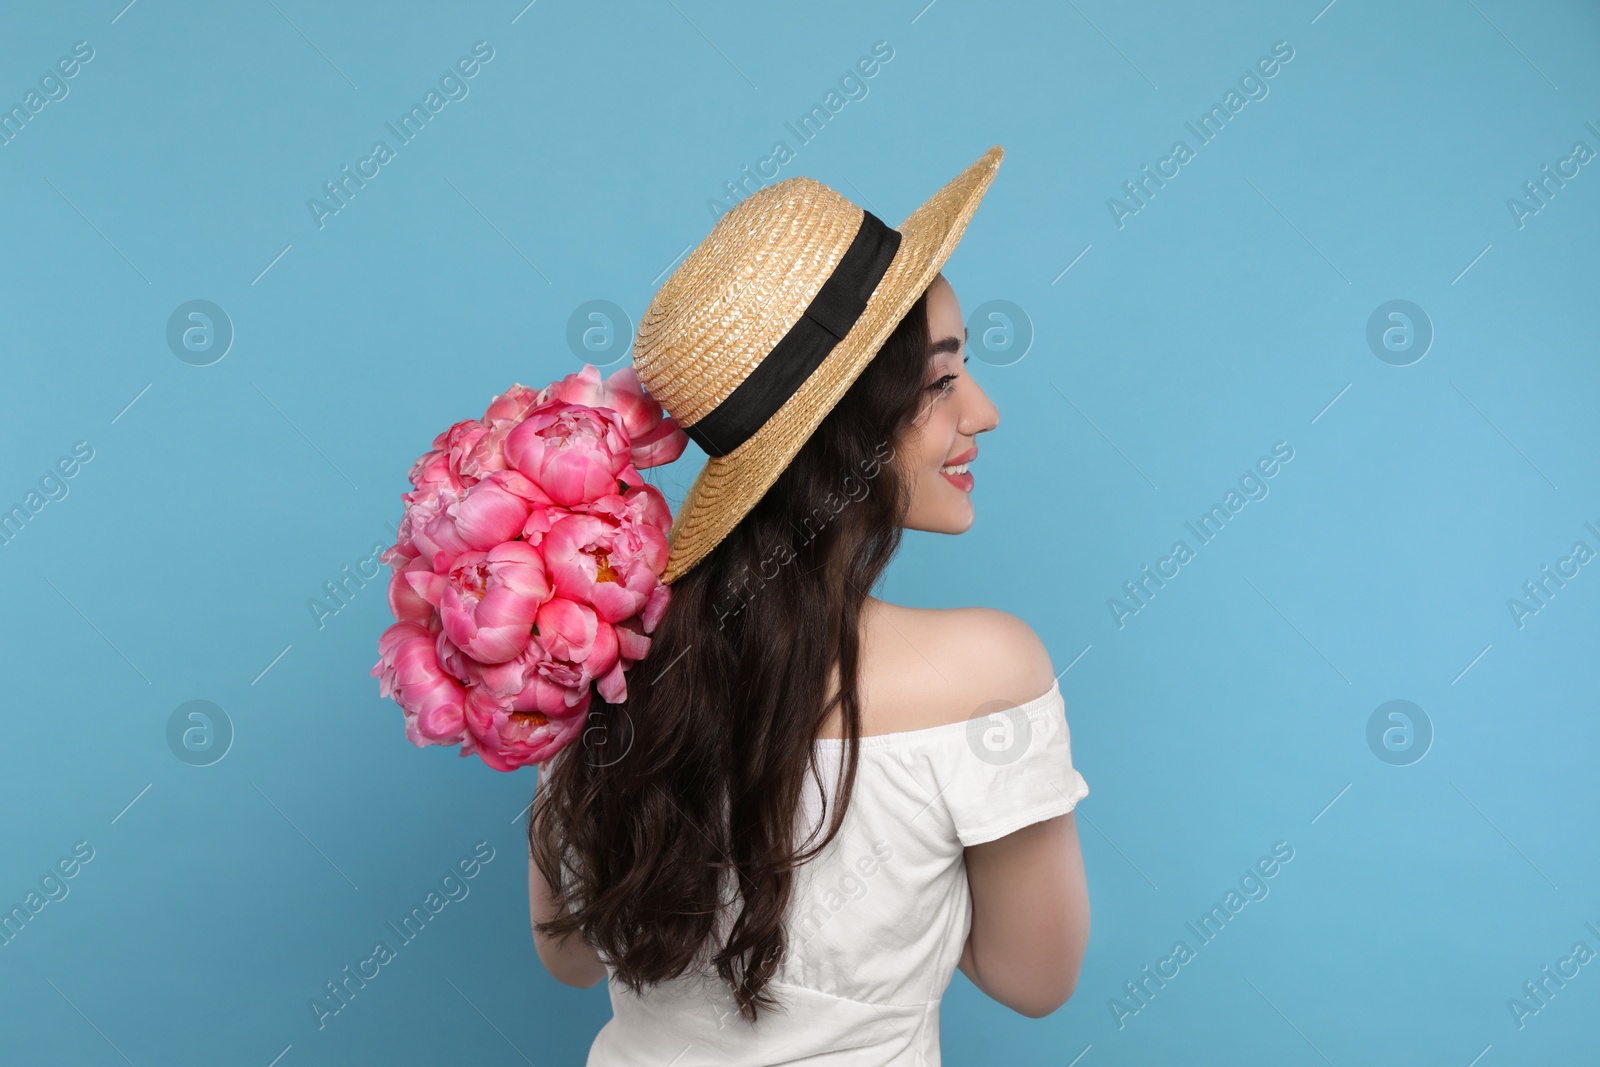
(947, 344)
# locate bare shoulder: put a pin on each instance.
(930, 666)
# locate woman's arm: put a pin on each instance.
(1030, 916)
(572, 960)
(1030, 902)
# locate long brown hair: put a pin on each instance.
(694, 782)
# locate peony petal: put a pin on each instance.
(492, 599)
(659, 447)
(407, 604)
(656, 606)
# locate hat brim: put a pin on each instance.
(728, 486)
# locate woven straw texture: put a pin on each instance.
(735, 296)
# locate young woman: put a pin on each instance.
(814, 805)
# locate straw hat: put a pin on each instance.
(762, 329)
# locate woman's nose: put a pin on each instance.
(981, 414)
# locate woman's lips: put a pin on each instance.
(966, 457)
(964, 480)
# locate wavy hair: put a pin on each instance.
(682, 801)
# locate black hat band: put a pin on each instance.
(830, 316)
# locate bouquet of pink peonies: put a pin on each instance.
(527, 567)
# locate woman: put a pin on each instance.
(814, 805)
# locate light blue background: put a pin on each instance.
(1225, 316)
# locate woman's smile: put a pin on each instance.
(955, 472)
(957, 410)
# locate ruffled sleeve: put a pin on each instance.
(1009, 769)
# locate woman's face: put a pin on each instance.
(940, 445)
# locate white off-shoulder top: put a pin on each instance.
(879, 919)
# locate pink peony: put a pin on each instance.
(403, 549)
(656, 606)
(514, 404)
(631, 647)
(583, 387)
(540, 519)
(654, 436)
(578, 645)
(505, 413)
(461, 442)
(424, 506)
(493, 510)
(456, 663)
(612, 554)
(487, 454)
(442, 465)
(433, 469)
(573, 452)
(571, 649)
(488, 600)
(526, 568)
(506, 739)
(405, 603)
(408, 670)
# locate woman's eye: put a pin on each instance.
(942, 385)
